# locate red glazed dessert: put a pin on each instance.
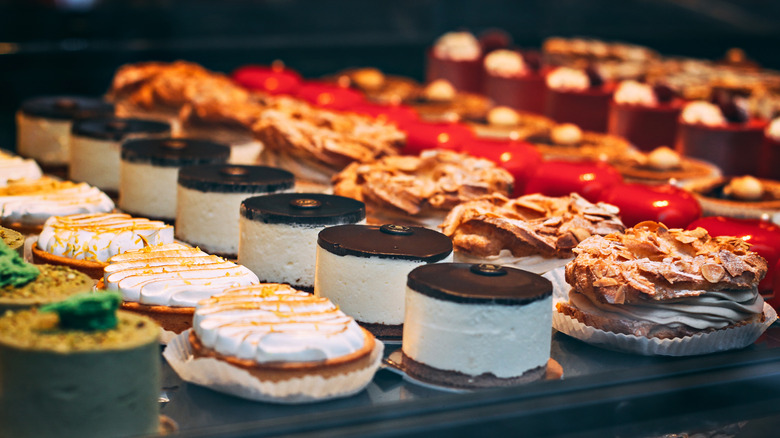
(769, 166)
(426, 135)
(518, 157)
(672, 206)
(514, 80)
(578, 97)
(645, 116)
(389, 113)
(275, 79)
(329, 96)
(763, 236)
(561, 178)
(456, 57)
(729, 139)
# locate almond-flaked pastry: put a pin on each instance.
(652, 262)
(529, 225)
(437, 179)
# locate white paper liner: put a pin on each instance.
(703, 343)
(223, 377)
(536, 264)
(166, 336)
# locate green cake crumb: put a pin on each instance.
(88, 312)
(53, 284)
(14, 271)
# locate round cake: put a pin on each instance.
(209, 199)
(96, 145)
(279, 233)
(150, 168)
(471, 326)
(43, 126)
(363, 269)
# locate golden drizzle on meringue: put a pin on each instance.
(172, 275)
(31, 202)
(275, 323)
(100, 236)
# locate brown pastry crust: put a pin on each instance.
(464, 106)
(377, 86)
(279, 371)
(635, 167)
(529, 225)
(651, 262)
(769, 203)
(172, 319)
(592, 146)
(456, 379)
(92, 268)
(530, 125)
(437, 179)
(385, 332)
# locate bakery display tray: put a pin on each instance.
(601, 392)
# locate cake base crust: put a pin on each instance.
(456, 379)
(385, 332)
(92, 268)
(173, 319)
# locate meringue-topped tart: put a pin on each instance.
(278, 333)
(85, 242)
(166, 282)
(13, 167)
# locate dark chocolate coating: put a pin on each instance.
(232, 178)
(174, 152)
(419, 244)
(278, 209)
(458, 282)
(66, 107)
(116, 129)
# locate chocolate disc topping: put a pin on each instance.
(303, 209)
(116, 129)
(232, 178)
(67, 107)
(479, 284)
(387, 241)
(174, 152)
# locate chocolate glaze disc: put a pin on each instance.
(465, 283)
(231, 178)
(303, 209)
(174, 152)
(66, 107)
(116, 129)
(393, 242)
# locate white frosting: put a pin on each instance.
(773, 129)
(32, 202)
(503, 116)
(13, 167)
(440, 90)
(172, 275)
(566, 134)
(564, 78)
(95, 162)
(275, 323)
(45, 140)
(148, 190)
(701, 112)
(457, 46)
(98, 237)
(635, 93)
(663, 158)
(370, 289)
(473, 339)
(745, 187)
(504, 63)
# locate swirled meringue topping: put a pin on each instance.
(505, 63)
(457, 46)
(275, 323)
(565, 78)
(31, 202)
(172, 275)
(635, 93)
(704, 113)
(100, 236)
(13, 167)
(773, 130)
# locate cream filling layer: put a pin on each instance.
(59, 199)
(45, 140)
(474, 339)
(275, 323)
(98, 237)
(95, 162)
(148, 190)
(172, 275)
(711, 310)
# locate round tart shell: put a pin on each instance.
(280, 371)
(92, 268)
(734, 207)
(172, 319)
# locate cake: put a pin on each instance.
(645, 115)
(737, 196)
(519, 158)
(14, 240)
(456, 57)
(664, 283)
(279, 233)
(422, 135)
(440, 101)
(96, 144)
(274, 79)
(514, 79)
(475, 326)
(662, 165)
(578, 97)
(209, 199)
(420, 190)
(149, 170)
(536, 233)
(769, 165)
(85, 242)
(662, 203)
(13, 167)
(378, 86)
(165, 282)
(503, 122)
(560, 178)
(26, 204)
(329, 96)
(363, 269)
(81, 368)
(566, 141)
(43, 127)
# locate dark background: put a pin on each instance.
(74, 46)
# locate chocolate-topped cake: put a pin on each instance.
(209, 199)
(279, 233)
(471, 326)
(96, 144)
(363, 269)
(43, 126)
(578, 96)
(149, 170)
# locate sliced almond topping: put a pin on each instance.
(712, 272)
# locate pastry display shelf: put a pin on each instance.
(602, 393)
